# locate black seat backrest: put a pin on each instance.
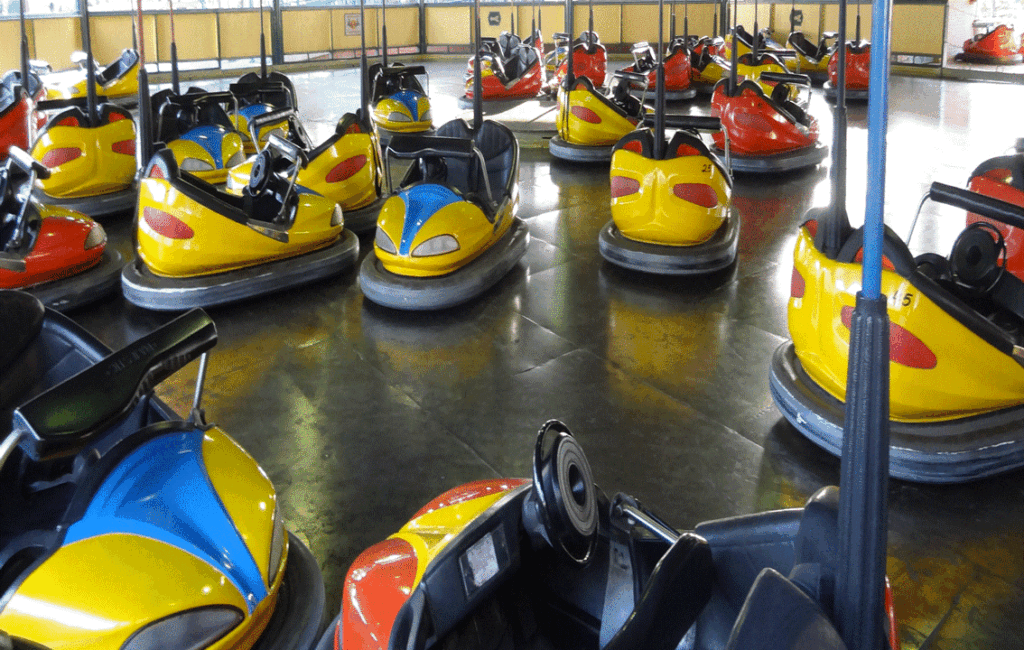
(676, 592)
(777, 615)
(496, 143)
(349, 123)
(21, 320)
(622, 99)
(780, 96)
(803, 45)
(64, 419)
(686, 143)
(744, 36)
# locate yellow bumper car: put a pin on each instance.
(347, 167)
(198, 246)
(671, 204)
(589, 122)
(955, 364)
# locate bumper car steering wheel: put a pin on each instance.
(564, 499)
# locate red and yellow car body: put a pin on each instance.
(811, 60)
(759, 125)
(680, 200)
(589, 59)
(188, 229)
(87, 160)
(677, 67)
(858, 65)
(996, 46)
(63, 243)
(516, 75)
(747, 67)
(385, 575)
(707, 66)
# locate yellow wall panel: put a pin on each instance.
(110, 35)
(832, 20)
(240, 34)
(552, 20)
(56, 39)
(812, 21)
(701, 19)
(449, 25)
(504, 12)
(746, 16)
(10, 34)
(307, 30)
(353, 42)
(607, 21)
(640, 23)
(194, 33)
(918, 28)
(403, 26)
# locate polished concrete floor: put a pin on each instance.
(360, 414)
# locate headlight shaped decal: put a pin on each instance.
(421, 203)
(161, 491)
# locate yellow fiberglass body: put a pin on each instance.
(346, 168)
(87, 160)
(187, 228)
(681, 200)
(459, 222)
(945, 371)
(586, 117)
(115, 589)
(117, 80)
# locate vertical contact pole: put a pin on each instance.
(175, 81)
(864, 471)
(478, 90)
(659, 88)
(90, 66)
(364, 72)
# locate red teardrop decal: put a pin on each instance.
(346, 169)
(585, 114)
(60, 155)
(126, 147)
(686, 150)
(797, 285)
(634, 145)
(904, 348)
(696, 193)
(623, 186)
(166, 224)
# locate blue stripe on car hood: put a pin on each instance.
(421, 202)
(161, 491)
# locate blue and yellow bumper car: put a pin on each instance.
(955, 345)
(398, 100)
(450, 232)
(198, 246)
(198, 131)
(347, 167)
(122, 525)
(671, 204)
